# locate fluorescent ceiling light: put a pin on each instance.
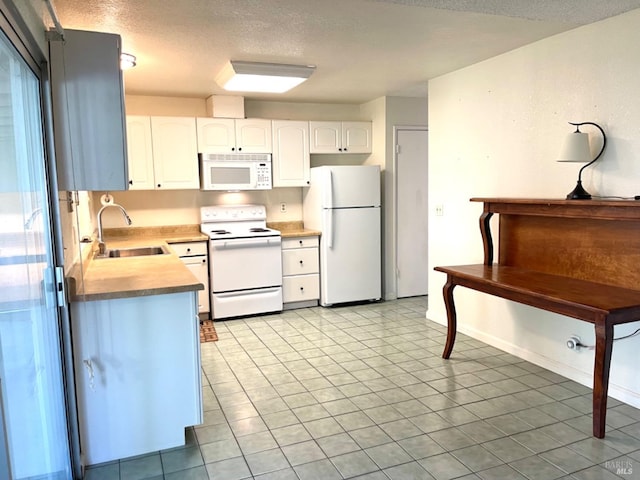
(262, 77)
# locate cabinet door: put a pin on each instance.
(356, 137)
(216, 135)
(326, 137)
(175, 153)
(87, 95)
(291, 159)
(200, 269)
(253, 135)
(127, 352)
(140, 153)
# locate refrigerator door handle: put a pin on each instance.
(328, 222)
(328, 200)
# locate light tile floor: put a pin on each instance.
(362, 392)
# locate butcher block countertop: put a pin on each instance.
(111, 278)
(293, 229)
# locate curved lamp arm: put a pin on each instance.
(604, 144)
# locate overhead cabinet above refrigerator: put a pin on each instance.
(340, 137)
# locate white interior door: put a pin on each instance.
(411, 212)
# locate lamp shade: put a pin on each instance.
(262, 77)
(576, 148)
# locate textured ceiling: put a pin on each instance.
(363, 49)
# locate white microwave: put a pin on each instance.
(235, 171)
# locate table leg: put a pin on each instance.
(447, 292)
(604, 347)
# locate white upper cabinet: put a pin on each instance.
(228, 135)
(253, 135)
(162, 153)
(175, 152)
(291, 160)
(326, 137)
(216, 135)
(356, 137)
(140, 153)
(340, 137)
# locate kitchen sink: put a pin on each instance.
(133, 252)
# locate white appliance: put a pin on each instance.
(245, 260)
(235, 171)
(343, 202)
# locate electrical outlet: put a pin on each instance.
(283, 207)
(439, 210)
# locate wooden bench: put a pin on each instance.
(579, 258)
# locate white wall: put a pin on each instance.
(495, 130)
(386, 113)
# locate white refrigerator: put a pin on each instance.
(343, 202)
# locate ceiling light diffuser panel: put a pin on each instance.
(262, 77)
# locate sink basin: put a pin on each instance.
(133, 252)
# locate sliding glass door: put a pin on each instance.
(33, 422)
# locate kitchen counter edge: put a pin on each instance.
(118, 278)
(293, 229)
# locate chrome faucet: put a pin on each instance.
(101, 245)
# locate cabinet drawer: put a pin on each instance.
(300, 261)
(299, 288)
(187, 249)
(299, 242)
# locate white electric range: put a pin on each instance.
(245, 260)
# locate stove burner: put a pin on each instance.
(219, 232)
(258, 229)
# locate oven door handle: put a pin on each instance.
(241, 293)
(245, 243)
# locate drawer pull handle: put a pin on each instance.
(300, 262)
(302, 289)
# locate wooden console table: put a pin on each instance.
(578, 258)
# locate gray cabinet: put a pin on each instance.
(87, 95)
(137, 366)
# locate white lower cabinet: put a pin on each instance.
(137, 367)
(195, 256)
(300, 272)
